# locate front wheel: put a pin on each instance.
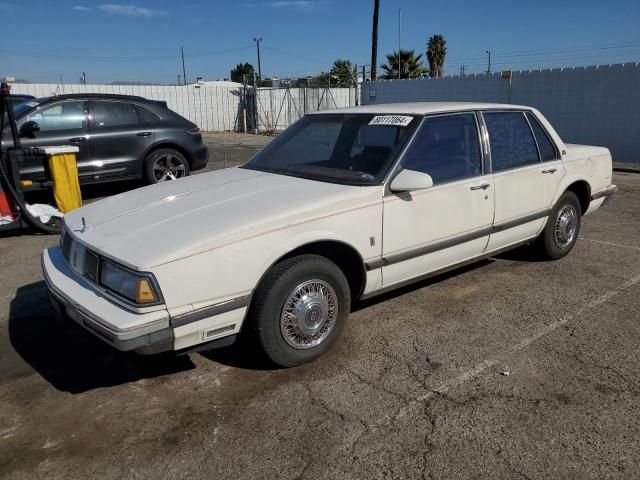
(165, 164)
(300, 309)
(563, 226)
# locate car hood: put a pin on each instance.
(161, 223)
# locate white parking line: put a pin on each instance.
(610, 243)
(522, 344)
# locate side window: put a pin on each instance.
(61, 116)
(511, 141)
(146, 116)
(113, 114)
(447, 148)
(547, 150)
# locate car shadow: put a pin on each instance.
(244, 354)
(361, 304)
(526, 253)
(71, 359)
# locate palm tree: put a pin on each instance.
(374, 40)
(436, 51)
(410, 65)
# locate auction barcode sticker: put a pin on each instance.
(391, 120)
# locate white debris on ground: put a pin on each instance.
(44, 211)
(506, 373)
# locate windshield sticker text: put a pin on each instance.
(392, 120)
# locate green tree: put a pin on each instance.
(242, 70)
(343, 74)
(436, 51)
(410, 65)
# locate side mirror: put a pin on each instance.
(409, 180)
(29, 128)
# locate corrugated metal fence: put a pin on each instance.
(219, 108)
(597, 105)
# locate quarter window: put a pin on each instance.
(511, 140)
(547, 150)
(446, 148)
(113, 114)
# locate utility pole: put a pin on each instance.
(399, 33)
(184, 72)
(374, 40)
(488, 52)
(258, 40)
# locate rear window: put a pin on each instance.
(511, 140)
(147, 115)
(112, 114)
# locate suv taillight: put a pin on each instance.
(194, 130)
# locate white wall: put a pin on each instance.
(598, 105)
(216, 108)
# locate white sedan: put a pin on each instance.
(343, 205)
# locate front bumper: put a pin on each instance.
(74, 297)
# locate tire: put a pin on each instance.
(291, 335)
(165, 164)
(563, 227)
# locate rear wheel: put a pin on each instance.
(165, 164)
(300, 309)
(563, 227)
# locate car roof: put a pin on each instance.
(423, 108)
(112, 96)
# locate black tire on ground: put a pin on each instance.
(316, 281)
(172, 161)
(563, 227)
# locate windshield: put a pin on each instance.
(21, 108)
(352, 149)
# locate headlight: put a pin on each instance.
(136, 287)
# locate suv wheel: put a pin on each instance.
(300, 309)
(165, 164)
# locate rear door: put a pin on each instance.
(60, 123)
(118, 139)
(525, 185)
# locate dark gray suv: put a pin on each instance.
(119, 136)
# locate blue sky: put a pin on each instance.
(140, 40)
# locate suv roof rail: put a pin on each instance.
(101, 95)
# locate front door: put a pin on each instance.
(527, 172)
(430, 229)
(118, 139)
(61, 123)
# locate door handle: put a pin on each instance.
(550, 170)
(143, 134)
(482, 186)
(77, 139)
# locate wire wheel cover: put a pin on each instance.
(566, 226)
(309, 314)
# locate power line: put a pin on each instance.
(528, 53)
(13, 53)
